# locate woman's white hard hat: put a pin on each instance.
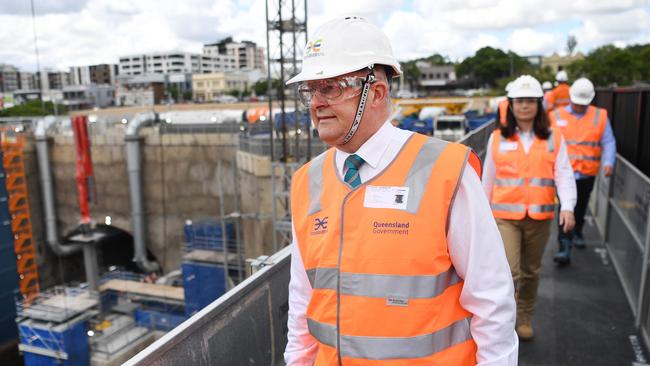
(344, 45)
(525, 86)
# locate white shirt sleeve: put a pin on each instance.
(489, 171)
(478, 254)
(565, 181)
(301, 346)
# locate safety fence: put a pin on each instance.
(620, 209)
(248, 325)
(629, 112)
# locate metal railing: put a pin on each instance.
(248, 325)
(620, 207)
(261, 145)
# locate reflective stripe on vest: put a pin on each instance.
(389, 348)
(381, 286)
(420, 172)
(583, 143)
(537, 182)
(316, 183)
(584, 157)
(541, 208)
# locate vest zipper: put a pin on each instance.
(338, 282)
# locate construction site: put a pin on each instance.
(159, 235)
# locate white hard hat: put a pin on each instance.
(582, 92)
(508, 86)
(547, 85)
(562, 76)
(525, 86)
(344, 45)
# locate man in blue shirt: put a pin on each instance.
(590, 143)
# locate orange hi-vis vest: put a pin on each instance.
(525, 183)
(503, 111)
(385, 291)
(582, 136)
(559, 97)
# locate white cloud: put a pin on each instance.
(78, 32)
(527, 42)
(623, 28)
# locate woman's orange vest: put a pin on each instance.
(582, 136)
(385, 291)
(525, 183)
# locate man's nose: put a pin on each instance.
(318, 101)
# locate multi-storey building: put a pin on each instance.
(93, 74)
(26, 80)
(140, 89)
(87, 96)
(9, 80)
(49, 79)
(209, 87)
(174, 63)
(247, 54)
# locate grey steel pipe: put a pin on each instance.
(42, 151)
(133, 160)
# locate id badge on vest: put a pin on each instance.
(508, 146)
(386, 197)
(562, 122)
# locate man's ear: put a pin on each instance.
(381, 93)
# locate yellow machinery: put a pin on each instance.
(453, 105)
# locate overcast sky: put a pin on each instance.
(84, 32)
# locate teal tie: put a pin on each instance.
(353, 163)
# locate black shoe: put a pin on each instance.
(563, 255)
(579, 241)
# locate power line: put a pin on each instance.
(38, 63)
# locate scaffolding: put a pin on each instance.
(286, 26)
(13, 143)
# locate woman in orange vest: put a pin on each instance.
(525, 162)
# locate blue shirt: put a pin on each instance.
(607, 142)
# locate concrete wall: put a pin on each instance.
(181, 182)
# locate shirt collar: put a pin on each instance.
(374, 148)
(570, 110)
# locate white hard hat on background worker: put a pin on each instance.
(561, 76)
(547, 85)
(582, 92)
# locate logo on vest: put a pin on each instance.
(397, 301)
(320, 226)
(391, 227)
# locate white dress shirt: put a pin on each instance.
(475, 248)
(565, 182)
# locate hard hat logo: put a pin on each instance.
(313, 49)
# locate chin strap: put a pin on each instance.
(367, 82)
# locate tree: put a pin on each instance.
(261, 86)
(411, 73)
(571, 43)
(609, 65)
(488, 65)
(32, 108)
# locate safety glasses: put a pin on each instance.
(330, 89)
